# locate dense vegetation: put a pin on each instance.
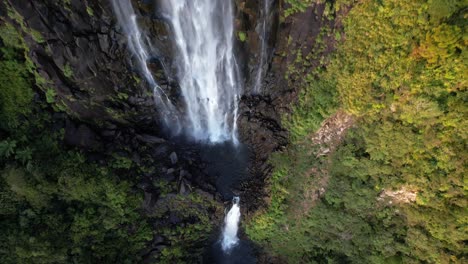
(61, 204)
(400, 70)
(55, 206)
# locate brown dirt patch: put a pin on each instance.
(327, 138)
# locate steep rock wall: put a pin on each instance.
(83, 57)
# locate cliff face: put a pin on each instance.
(88, 75)
(81, 53)
(84, 59)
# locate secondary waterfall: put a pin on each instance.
(139, 46)
(263, 33)
(231, 226)
(203, 32)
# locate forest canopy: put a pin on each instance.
(401, 72)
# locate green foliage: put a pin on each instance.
(76, 211)
(121, 162)
(50, 95)
(7, 148)
(296, 6)
(14, 90)
(242, 36)
(55, 206)
(401, 70)
(10, 37)
(316, 102)
(188, 239)
(90, 11)
(65, 209)
(67, 71)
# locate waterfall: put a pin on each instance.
(203, 33)
(231, 225)
(207, 72)
(264, 45)
(138, 46)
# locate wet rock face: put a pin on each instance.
(260, 126)
(81, 136)
(83, 55)
(249, 19)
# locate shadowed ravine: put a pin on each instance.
(202, 32)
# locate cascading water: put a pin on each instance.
(208, 75)
(203, 33)
(231, 226)
(264, 45)
(139, 48)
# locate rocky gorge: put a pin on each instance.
(105, 107)
(332, 132)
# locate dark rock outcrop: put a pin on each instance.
(83, 56)
(81, 136)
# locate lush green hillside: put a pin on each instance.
(395, 189)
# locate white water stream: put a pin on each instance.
(208, 75)
(138, 45)
(231, 226)
(207, 71)
(263, 33)
(203, 33)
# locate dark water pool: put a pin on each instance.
(243, 253)
(227, 165)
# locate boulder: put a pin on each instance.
(81, 136)
(174, 158)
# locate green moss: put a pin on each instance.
(121, 162)
(136, 78)
(67, 71)
(15, 93)
(50, 95)
(11, 37)
(242, 36)
(90, 11)
(60, 106)
(295, 6)
(122, 96)
(35, 35)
